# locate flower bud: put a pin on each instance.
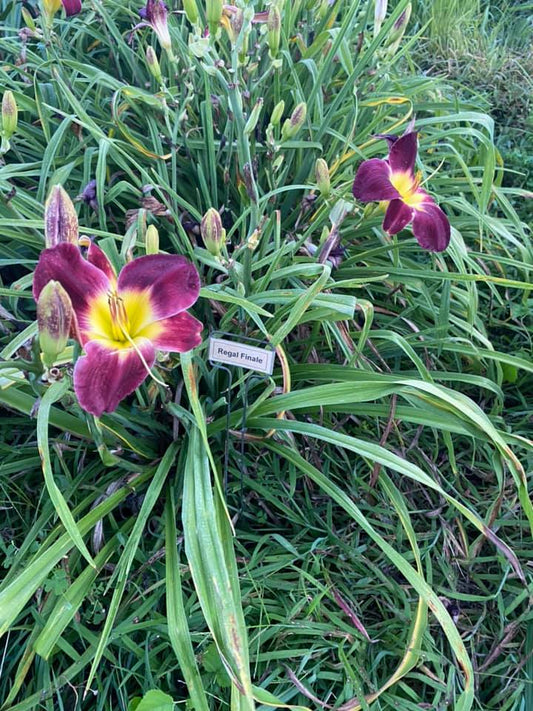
(253, 240)
(398, 29)
(322, 177)
(151, 240)
(54, 318)
(191, 11)
(60, 218)
(380, 13)
(277, 113)
(293, 124)
(9, 114)
(28, 19)
(153, 64)
(213, 234)
(213, 13)
(254, 117)
(274, 30)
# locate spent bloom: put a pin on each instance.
(394, 180)
(121, 321)
(155, 15)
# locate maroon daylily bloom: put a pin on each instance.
(393, 179)
(121, 321)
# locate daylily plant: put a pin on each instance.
(394, 180)
(121, 321)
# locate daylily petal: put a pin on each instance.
(402, 154)
(431, 227)
(372, 181)
(82, 281)
(97, 256)
(103, 377)
(398, 215)
(171, 283)
(72, 7)
(178, 333)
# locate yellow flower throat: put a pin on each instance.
(118, 319)
(408, 187)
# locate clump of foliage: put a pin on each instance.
(485, 49)
(348, 533)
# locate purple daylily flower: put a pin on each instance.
(393, 180)
(121, 320)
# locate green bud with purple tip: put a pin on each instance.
(322, 177)
(9, 114)
(153, 64)
(274, 30)
(398, 30)
(213, 234)
(54, 319)
(60, 218)
(295, 122)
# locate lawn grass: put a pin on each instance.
(353, 532)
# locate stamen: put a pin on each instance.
(143, 361)
(120, 325)
(416, 182)
(119, 317)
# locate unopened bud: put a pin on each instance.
(322, 177)
(278, 162)
(254, 117)
(253, 240)
(191, 11)
(277, 113)
(398, 29)
(274, 30)
(151, 240)
(54, 319)
(380, 13)
(293, 124)
(153, 64)
(28, 19)
(60, 218)
(213, 13)
(9, 114)
(213, 234)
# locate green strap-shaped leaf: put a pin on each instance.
(55, 392)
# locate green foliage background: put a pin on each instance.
(377, 542)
